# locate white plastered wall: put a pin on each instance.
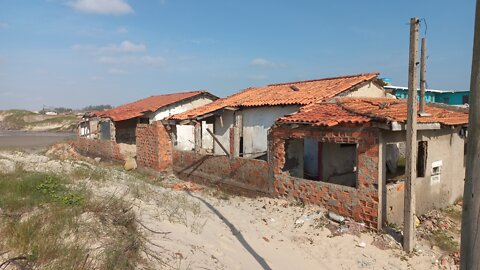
(256, 123)
(369, 90)
(185, 133)
(222, 132)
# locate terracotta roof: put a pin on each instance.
(149, 104)
(366, 110)
(291, 93)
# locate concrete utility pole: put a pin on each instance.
(423, 73)
(411, 147)
(470, 241)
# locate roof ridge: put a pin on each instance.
(176, 93)
(328, 78)
(161, 95)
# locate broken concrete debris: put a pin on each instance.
(336, 217)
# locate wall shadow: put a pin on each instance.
(235, 232)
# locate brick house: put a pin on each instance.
(347, 154)
(240, 122)
(112, 133)
(231, 133)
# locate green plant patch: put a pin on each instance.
(445, 241)
(43, 221)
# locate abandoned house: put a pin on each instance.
(318, 141)
(238, 125)
(348, 155)
(117, 126)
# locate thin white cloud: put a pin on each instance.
(122, 30)
(95, 78)
(132, 60)
(264, 63)
(114, 7)
(201, 41)
(116, 71)
(4, 25)
(80, 47)
(124, 47)
(7, 94)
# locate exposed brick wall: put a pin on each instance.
(360, 203)
(154, 147)
(240, 174)
(106, 149)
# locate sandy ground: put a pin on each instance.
(202, 228)
(31, 140)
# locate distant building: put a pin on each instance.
(112, 133)
(450, 97)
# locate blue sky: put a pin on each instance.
(79, 52)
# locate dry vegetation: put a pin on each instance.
(65, 211)
(50, 223)
(27, 120)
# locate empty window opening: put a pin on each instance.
(311, 159)
(437, 167)
(338, 163)
(240, 154)
(422, 158)
(105, 130)
(395, 162)
(125, 131)
(294, 157)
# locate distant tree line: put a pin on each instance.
(63, 110)
(97, 108)
(57, 110)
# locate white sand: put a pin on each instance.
(206, 232)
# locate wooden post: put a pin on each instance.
(411, 147)
(470, 240)
(423, 80)
(198, 136)
(218, 142)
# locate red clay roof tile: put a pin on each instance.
(364, 110)
(149, 104)
(291, 93)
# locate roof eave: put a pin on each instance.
(396, 126)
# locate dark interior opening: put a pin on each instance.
(422, 158)
(395, 162)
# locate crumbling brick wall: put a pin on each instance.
(240, 175)
(106, 149)
(361, 202)
(154, 147)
